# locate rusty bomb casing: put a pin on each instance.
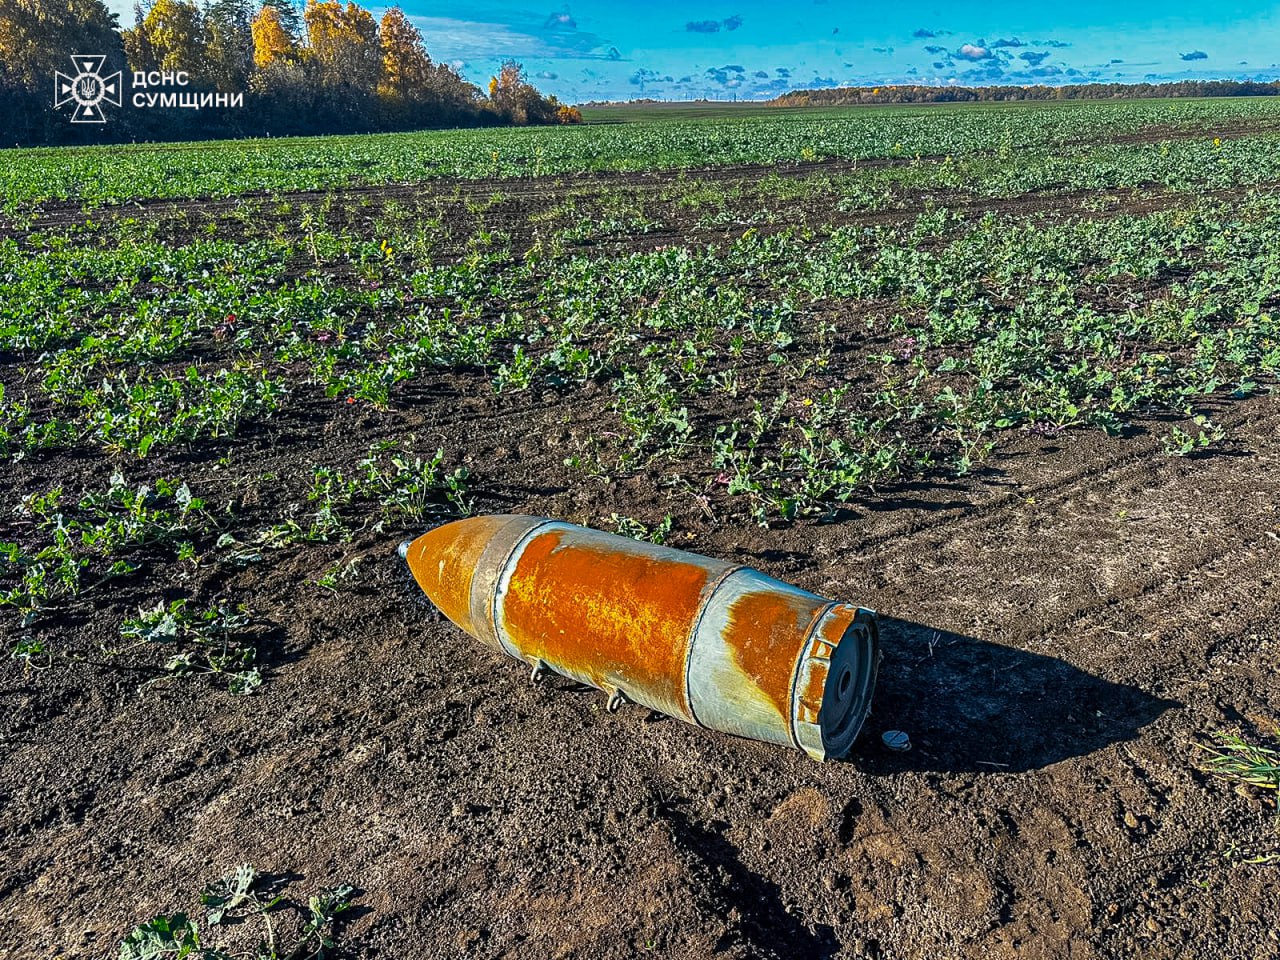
(713, 643)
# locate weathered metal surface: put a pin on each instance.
(835, 680)
(706, 641)
(448, 560)
(605, 610)
(747, 647)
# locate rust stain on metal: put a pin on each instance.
(444, 560)
(829, 636)
(612, 618)
(833, 630)
(762, 632)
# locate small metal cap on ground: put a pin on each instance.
(896, 740)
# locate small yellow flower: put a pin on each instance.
(1217, 142)
(807, 401)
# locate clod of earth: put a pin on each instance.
(712, 643)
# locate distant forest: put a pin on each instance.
(910, 93)
(227, 68)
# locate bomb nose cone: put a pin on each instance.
(445, 561)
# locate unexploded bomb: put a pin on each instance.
(709, 642)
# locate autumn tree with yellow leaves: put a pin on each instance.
(406, 67)
(271, 42)
(344, 42)
(169, 37)
(329, 67)
(412, 88)
(516, 100)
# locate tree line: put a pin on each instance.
(912, 93)
(328, 67)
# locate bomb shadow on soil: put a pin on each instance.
(973, 706)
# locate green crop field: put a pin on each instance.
(764, 136)
(1006, 372)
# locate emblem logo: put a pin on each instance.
(88, 89)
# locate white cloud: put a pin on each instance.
(477, 39)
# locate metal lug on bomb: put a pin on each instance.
(712, 643)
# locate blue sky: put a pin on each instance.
(592, 49)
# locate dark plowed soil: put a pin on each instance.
(1058, 631)
(1055, 634)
